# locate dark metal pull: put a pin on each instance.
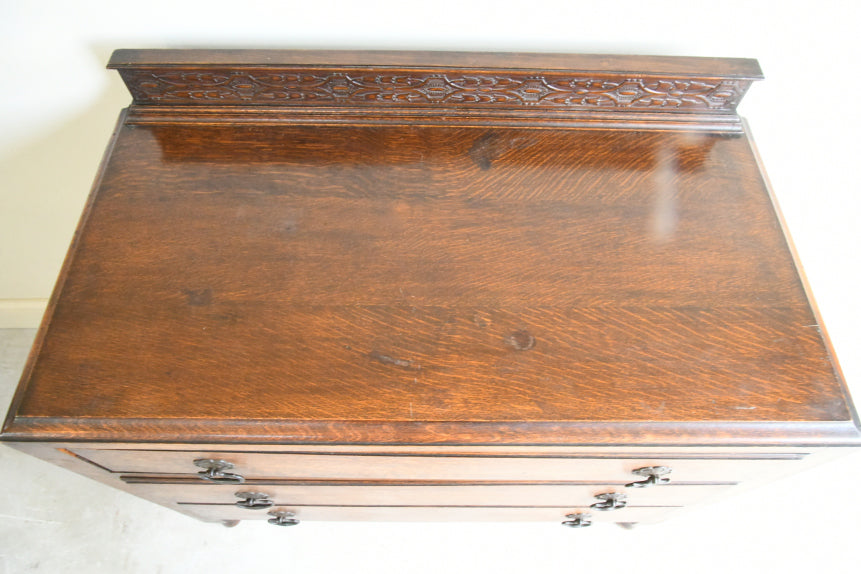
(611, 501)
(214, 471)
(578, 520)
(282, 518)
(253, 500)
(654, 475)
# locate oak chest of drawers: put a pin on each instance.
(430, 286)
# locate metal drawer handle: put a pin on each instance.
(253, 500)
(578, 520)
(282, 518)
(611, 501)
(654, 475)
(214, 471)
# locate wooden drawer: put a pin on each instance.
(440, 494)
(338, 465)
(216, 512)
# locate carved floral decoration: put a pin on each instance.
(263, 87)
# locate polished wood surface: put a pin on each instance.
(432, 274)
(400, 286)
(442, 88)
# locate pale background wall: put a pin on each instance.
(58, 106)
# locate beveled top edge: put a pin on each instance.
(621, 433)
(739, 68)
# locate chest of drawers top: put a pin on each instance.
(395, 248)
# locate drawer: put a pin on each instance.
(445, 494)
(613, 467)
(215, 512)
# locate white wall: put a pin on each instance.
(58, 105)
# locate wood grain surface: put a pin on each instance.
(418, 248)
(430, 286)
(432, 274)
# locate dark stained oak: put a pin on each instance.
(744, 68)
(435, 88)
(446, 79)
(538, 267)
(435, 274)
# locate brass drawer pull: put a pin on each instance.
(578, 520)
(654, 475)
(214, 471)
(253, 500)
(611, 501)
(282, 518)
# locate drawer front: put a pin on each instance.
(335, 465)
(214, 513)
(454, 494)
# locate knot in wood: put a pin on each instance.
(521, 340)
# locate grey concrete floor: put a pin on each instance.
(52, 520)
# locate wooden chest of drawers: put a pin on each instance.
(418, 286)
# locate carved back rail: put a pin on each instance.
(371, 87)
